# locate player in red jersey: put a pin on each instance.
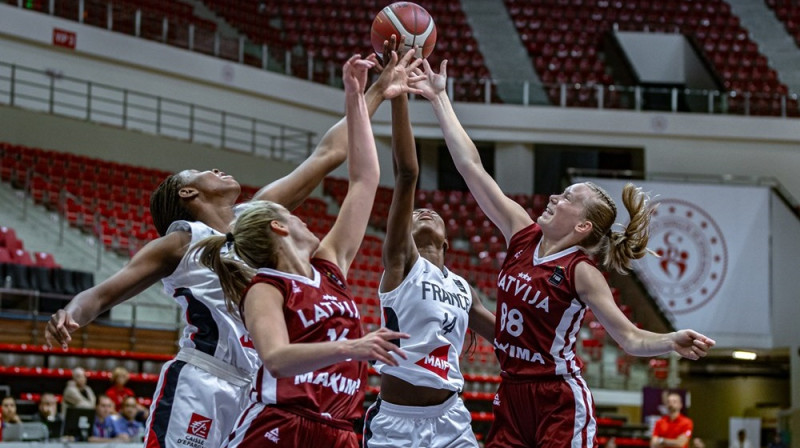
(298, 309)
(544, 288)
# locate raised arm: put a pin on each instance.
(506, 214)
(399, 251)
(292, 189)
(156, 260)
(263, 310)
(592, 288)
(342, 242)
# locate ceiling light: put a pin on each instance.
(749, 356)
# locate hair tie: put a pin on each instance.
(229, 237)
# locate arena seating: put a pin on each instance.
(32, 356)
(788, 12)
(21, 270)
(110, 200)
(564, 39)
(294, 26)
(153, 14)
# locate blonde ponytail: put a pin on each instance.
(618, 249)
(252, 242)
(234, 276)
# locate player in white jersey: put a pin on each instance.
(302, 317)
(542, 400)
(201, 391)
(419, 404)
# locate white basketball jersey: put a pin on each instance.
(210, 328)
(433, 307)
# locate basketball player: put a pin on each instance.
(201, 392)
(419, 404)
(298, 309)
(544, 287)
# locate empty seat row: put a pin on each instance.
(564, 30)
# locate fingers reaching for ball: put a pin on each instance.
(354, 73)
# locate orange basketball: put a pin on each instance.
(405, 19)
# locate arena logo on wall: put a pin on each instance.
(693, 256)
(714, 271)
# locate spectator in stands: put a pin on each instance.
(290, 291)
(130, 425)
(673, 430)
(48, 411)
(741, 440)
(118, 392)
(697, 442)
(78, 394)
(418, 403)
(108, 426)
(611, 443)
(547, 282)
(10, 411)
(208, 379)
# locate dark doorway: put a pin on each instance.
(553, 161)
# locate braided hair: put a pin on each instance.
(166, 205)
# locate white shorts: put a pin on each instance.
(446, 425)
(193, 408)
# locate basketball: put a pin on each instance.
(405, 19)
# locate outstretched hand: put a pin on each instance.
(691, 344)
(377, 346)
(354, 73)
(396, 72)
(58, 329)
(431, 83)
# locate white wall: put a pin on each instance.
(510, 158)
(656, 57)
(785, 283)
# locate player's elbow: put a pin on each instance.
(337, 154)
(275, 368)
(331, 155)
(629, 343)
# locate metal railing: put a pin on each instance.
(298, 61)
(54, 93)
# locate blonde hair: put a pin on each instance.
(118, 372)
(616, 250)
(252, 243)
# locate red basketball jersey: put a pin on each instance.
(316, 310)
(539, 313)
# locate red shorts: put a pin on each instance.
(557, 412)
(266, 426)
